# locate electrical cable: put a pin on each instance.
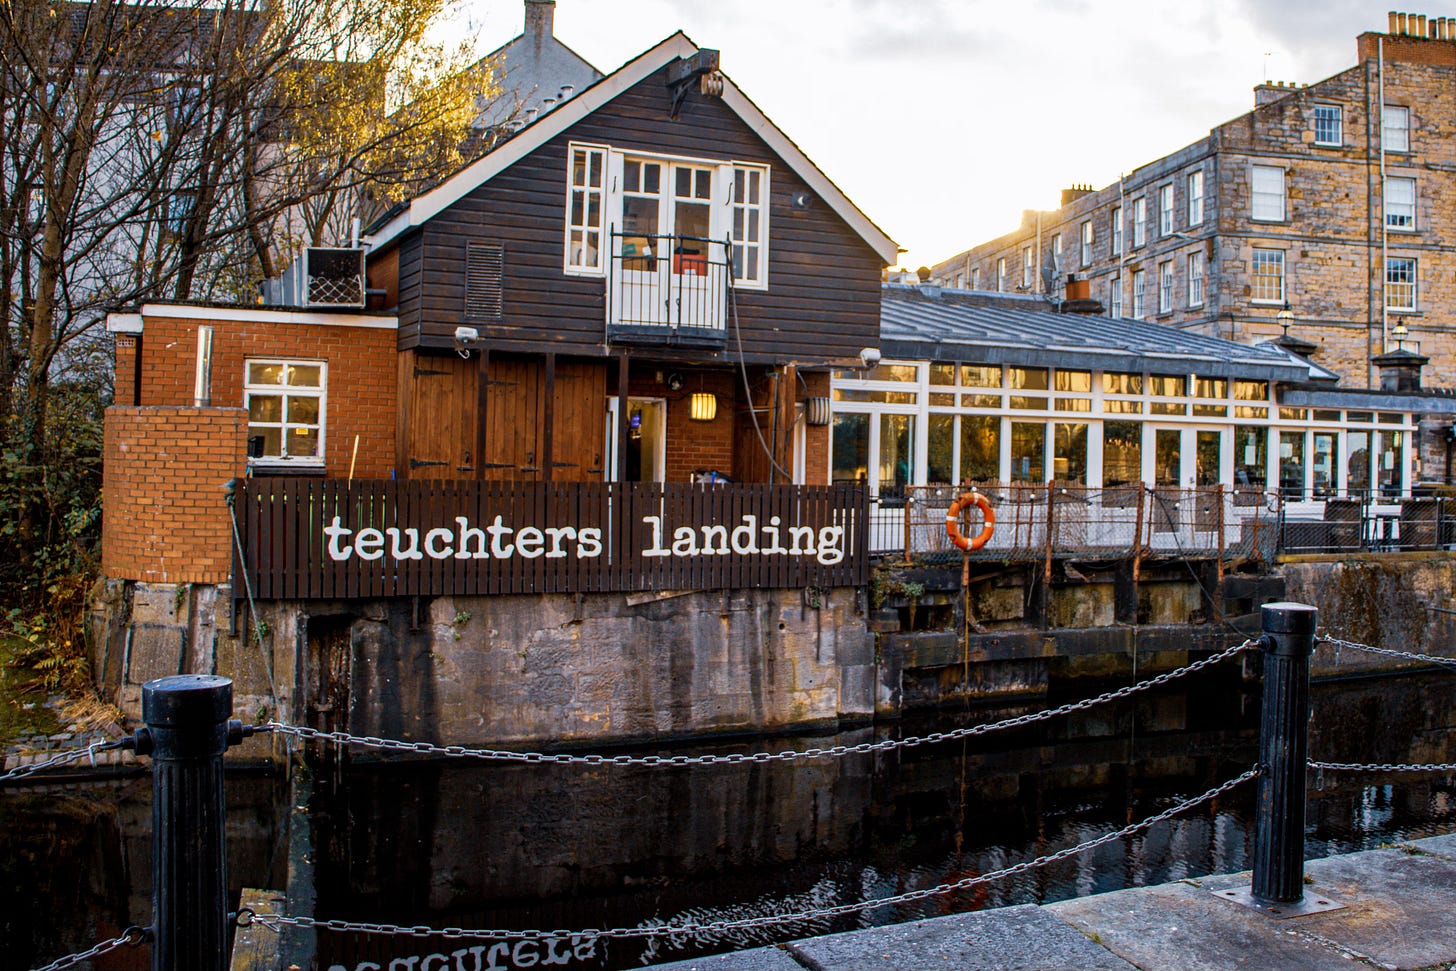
(747, 390)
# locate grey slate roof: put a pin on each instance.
(927, 323)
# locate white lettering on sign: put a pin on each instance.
(491, 957)
(825, 544)
(499, 541)
(495, 541)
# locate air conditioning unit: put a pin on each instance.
(322, 277)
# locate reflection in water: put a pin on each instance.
(596, 847)
(75, 862)
(509, 846)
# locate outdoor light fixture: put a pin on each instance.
(816, 411)
(1285, 317)
(1400, 332)
(703, 406)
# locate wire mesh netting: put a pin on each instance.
(1069, 520)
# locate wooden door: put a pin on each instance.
(513, 441)
(438, 436)
(577, 420)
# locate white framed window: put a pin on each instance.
(1400, 203)
(1114, 295)
(1087, 242)
(585, 208)
(1327, 125)
(1056, 252)
(1268, 285)
(1139, 287)
(1165, 211)
(1395, 128)
(1267, 183)
(1195, 279)
(1028, 268)
(1001, 275)
(750, 225)
(645, 198)
(285, 403)
(975, 278)
(1195, 198)
(1139, 222)
(1116, 230)
(1165, 287)
(1400, 283)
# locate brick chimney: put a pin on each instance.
(540, 21)
(1412, 38)
(1076, 192)
(1271, 91)
(1079, 298)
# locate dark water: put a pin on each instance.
(596, 847)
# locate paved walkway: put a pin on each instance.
(1397, 914)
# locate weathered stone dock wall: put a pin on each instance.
(507, 669)
(530, 670)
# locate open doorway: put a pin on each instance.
(646, 454)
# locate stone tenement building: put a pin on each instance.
(1330, 200)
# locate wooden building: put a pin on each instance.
(587, 376)
(652, 242)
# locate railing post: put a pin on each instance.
(1288, 642)
(187, 731)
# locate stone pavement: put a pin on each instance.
(1396, 915)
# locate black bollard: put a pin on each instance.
(188, 729)
(1288, 642)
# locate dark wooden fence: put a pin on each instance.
(326, 538)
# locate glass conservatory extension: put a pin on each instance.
(909, 423)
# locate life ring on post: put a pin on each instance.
(952, 527)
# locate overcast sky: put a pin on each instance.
(943, 119)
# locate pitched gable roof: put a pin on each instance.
(428, 204)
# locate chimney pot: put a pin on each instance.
(567, 90)
(1394, 22)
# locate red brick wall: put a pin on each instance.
(1411, 50)
(126, 358)
(816, 439)
(164, 513)
(361, 379)
(693, 445)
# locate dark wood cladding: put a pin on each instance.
(438, 437)
(824, 281)
(288, 555)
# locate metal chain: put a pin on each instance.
(836, 751)
(133, 935)
(1337, 643)
(1381, 767)
(63, 758)
(718, 927)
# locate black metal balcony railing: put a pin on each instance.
(671, 288)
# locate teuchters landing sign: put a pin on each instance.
(309, 538)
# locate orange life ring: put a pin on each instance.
(952, 528)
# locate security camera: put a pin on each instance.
(464, 337)
(869, 356)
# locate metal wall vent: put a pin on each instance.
(485, 265)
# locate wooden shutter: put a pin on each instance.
(485, 265)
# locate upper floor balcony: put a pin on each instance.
(669, 289)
